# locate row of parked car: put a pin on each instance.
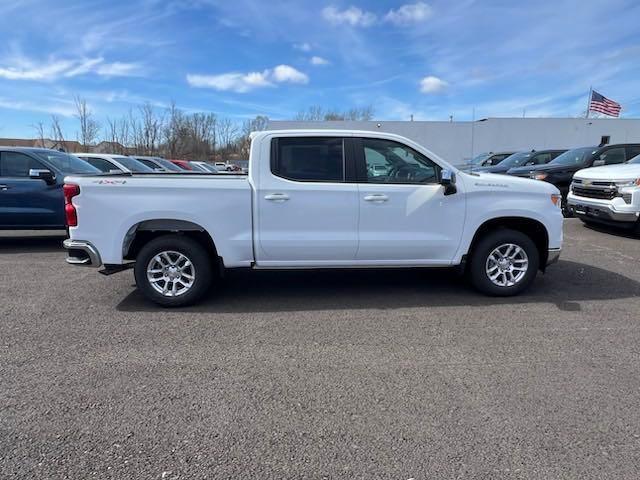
(28, 204)
(137, 164)
(556, 166)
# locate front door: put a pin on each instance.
(307, 212)
(405, 217)
(26, 202)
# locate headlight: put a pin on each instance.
(539, 175)
(629, 183)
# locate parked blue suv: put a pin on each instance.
(31, 182)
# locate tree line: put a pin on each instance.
(173, 133)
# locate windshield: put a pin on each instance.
(577, 156)
(67, 164)
(133, 164)
(635, 159)
(516, 159)
(172, 167)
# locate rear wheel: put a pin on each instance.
(173, 270)
(504, 263)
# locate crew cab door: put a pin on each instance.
(28, 202)
(307, 214)
(405, 216)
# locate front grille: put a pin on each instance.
(605, 193)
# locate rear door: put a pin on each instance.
(25, 202)
(307, 214)
(405, 218)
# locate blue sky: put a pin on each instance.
(242, 58)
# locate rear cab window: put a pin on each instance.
(308, 159)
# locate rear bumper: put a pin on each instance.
(553, 256)
(82, 253)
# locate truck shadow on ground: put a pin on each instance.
(565, 285)
(31, 244)
(613, 230)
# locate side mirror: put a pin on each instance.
(448, 181)
(42, 174)
(598, 163)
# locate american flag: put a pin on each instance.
(601, 104)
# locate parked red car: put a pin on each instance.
(183, 164)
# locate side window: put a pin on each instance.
(542, 159)
(633, 151)
(498, 158)
(613, 156)
(16, 164)
(309, 159)
(101, 164)
(387, 161)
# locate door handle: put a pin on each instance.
(378, 197)
(277, 197)
(4, 188)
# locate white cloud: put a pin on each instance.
(409, 13)
(286, 73)
(22, 68)
(319, 61)
(431, 84)
(119, 69)
(353, 16)
(244, 82)
(303, 47)
(58, 108)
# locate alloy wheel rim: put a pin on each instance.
(507, 265)
(171, 273)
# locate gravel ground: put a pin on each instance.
(348, 374)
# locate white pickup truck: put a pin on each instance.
(314, 199)
(608, 195)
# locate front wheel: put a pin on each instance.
(504, 263)
(173, 271)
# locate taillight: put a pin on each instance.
(70, 190)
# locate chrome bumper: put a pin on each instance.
(82, 253)
(553, 255)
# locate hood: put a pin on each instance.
(491, 181)
(610, 172)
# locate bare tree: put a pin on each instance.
(318, 114)
(227, 131)
(256, 125)
(39, 128)
(151, 128)
(312, 114)
(89, 127)
(56, 132)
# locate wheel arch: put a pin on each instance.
(534, 229)
(144, 231)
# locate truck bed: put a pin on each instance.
(217, 203)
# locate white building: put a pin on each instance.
(460, 141)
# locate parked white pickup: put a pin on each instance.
(315, 199)
(608, 194)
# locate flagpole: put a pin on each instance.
(589, 101)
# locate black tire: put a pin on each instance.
(485, 246)
(196, 254)
(564, 204)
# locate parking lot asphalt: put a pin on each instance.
(335, 374)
